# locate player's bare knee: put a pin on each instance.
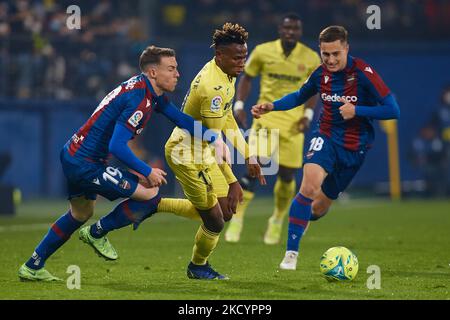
(82, 214)
(215, 224)
(144, 194)
(82, 209)
(309, 191)
(213, 218)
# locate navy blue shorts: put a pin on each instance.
(90, 179)
(340, 164)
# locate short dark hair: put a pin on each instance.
(290, 16)
(333, 33)
(230, 33)
(152, 55)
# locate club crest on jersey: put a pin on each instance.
(135, 118)
(215, 103)
(368, 69)
(125, 185)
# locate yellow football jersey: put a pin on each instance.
(209, 100)
(281, 75)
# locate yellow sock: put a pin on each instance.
(242, 207)
(179, 207)
(205, 242)
(283, 193)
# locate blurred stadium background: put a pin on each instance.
(52, 78)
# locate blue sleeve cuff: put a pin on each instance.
(286, 103)
(294, 99)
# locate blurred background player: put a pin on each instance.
(283, 64)
(210, 186)
(352, 95)
(121, 115)
(429, 156)
(441, 121)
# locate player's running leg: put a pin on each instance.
(180, 207)
(81, 209)
(320, 206)
(205, 242)
(202, 185)
(142, 204)
(283, 191)
(300, 212)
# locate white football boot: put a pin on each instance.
(289, 261)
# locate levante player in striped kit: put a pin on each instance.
(121, 115)
(352, 94)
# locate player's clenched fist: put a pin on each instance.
(156, 177)
(262, 108)
(347, 110)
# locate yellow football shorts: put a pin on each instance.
(202, 183)
(283, 147)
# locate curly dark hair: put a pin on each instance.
(230, 33)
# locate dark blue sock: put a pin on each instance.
(57, 235)
(125, 213)
(299, 215)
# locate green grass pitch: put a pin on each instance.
(409, 241)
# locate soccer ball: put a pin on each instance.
(339, 263)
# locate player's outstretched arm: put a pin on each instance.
(290, 100)
(259, 109)
(243, 90)
(304, 123)
(222, 152)
(185, 121)
(118, 146)
(234, 135)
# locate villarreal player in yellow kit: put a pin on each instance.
(283, 65)
(211, 186)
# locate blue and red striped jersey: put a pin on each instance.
(358, 84)
(130, 104)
